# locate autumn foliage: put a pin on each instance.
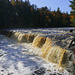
(21, 14)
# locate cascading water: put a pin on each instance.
(56, 55)
(51, 53)
(46, 47)
(49, 50)
(15, 36)
(39, 41)
(21, 37)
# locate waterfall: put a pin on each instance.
(53, 54)
(21, 37)
(56, 55)
(49, 51)
(46, 47)
(39, 41)
(15, 35)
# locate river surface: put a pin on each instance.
(18, 58)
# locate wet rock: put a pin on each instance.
(2, 70)
(40, 71)
(49, 70)
(10, 73)
(52, 74)
(1, 55)
(33, 74)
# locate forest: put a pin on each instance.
(21, 14)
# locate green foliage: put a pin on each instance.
(73, 12)
(23, 15)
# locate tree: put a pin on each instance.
(73, 12)
(21, 14)
(58, 17)
(66, 19)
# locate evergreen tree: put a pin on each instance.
(21, 14)
(58, 18)
(73, 12)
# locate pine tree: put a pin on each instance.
(72, 13)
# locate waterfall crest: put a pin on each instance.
(21, 37)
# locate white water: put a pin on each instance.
(20, 59)
(43, 30)
(17, 60)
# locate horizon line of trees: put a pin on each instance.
(21, 14)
